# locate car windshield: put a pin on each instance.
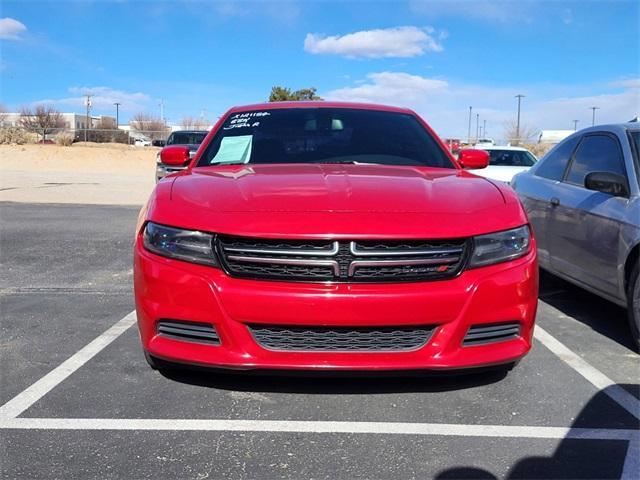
(511, 158)
(186, 138)
(324, 135)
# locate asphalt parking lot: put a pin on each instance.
(79, 401)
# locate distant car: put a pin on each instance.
(484, 142)
(505, 162)
(184, 138)
(141, 142)
(583, 201)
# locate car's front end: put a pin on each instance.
(334, 267)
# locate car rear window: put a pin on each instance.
(186, 138)
(324, 135)
(511, 158)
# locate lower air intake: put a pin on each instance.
(481, 334)
(341, 339)
(188, 331)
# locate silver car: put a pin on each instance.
(583, 201)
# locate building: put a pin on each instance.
(551, 137)
(72, 121)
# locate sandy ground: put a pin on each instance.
(107, 174)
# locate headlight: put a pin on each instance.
(188, 245)
(500, 246)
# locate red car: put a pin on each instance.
(332, 236)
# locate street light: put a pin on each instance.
(469, 131)
(117, 104)
(575, 125)
(519, 97)
(593, 116)
(477, 126)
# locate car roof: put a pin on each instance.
(190, 131)
(502, 147)
(613, 127)
(319, 104)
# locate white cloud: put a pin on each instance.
(627, 83)
(445, 104)
(389, 42)
(11, 29)
(395, 88)
(103, 99)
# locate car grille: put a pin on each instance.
(342, 261)
(188, 331)
(482, 334)
(341, 339)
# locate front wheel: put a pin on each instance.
(633, 304)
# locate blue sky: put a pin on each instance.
(438, 57)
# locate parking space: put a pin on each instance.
(559, 413)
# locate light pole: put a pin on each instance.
(88, 104)
(575, 125)
(117, 104)
(593, 115)
(519, 97)
(469, 131)
(484, 128)
(477, 126)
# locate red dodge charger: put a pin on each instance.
(332, 236)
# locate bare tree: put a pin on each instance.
(152, 127)
(43, 119)
(3, 114)
(515, 137)
(194, 123)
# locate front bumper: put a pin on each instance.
(171, 289)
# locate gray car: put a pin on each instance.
(583, 201)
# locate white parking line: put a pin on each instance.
(39, 389)
(303, 426)
(592, 374)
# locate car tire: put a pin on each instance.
(633, 305)
(151, 360)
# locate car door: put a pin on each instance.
(584, 227)
(538, 186)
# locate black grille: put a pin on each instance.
(481, 334)
(188, 331)
(342, 261)
(341, 339)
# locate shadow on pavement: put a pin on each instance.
(604, 317)
(574, 458)
(334, 383)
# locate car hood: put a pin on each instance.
(321, 200)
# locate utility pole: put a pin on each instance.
(469, 131)
(117, 104)
(519, 97)
(477, 126)
(87, 102)
(575, 125)
(593, 116)
(484, 128)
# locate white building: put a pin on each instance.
(72, 121)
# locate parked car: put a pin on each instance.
(583, 200)
(141, 141)
(484, 142)
(505, 162)
(332, 236)
(187, 138)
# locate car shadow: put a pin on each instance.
(334, 383)
(573, 458)
(604, 317)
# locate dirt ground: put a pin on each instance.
(106, 174)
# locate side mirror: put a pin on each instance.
(176, 156)
(606, 182)
(472, 159)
